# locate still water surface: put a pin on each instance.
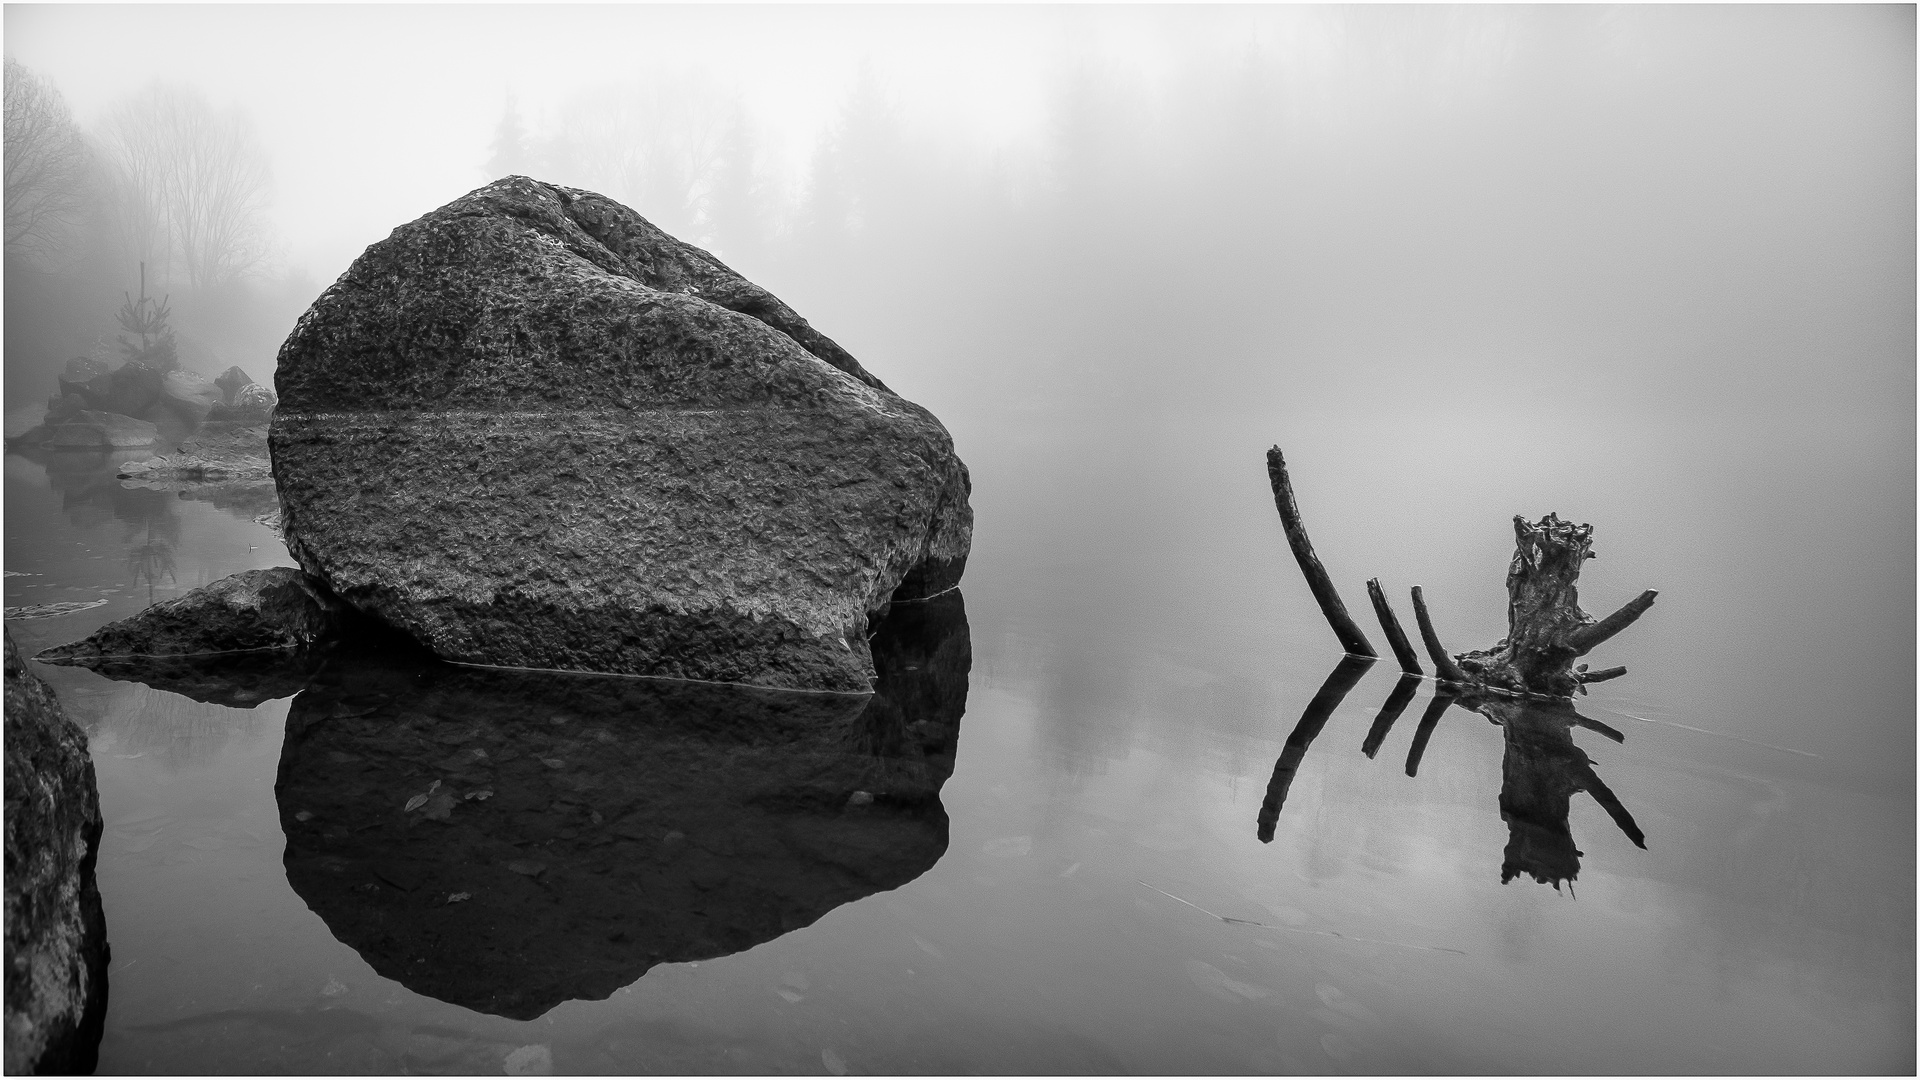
(1152, 854)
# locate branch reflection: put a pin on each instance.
(1541, 770)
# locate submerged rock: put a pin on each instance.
(56, 952)
(274, 608)
(531, 429)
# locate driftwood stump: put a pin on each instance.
(1546, 629)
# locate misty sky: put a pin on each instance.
(375, 115)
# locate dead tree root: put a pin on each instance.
(1546, 629)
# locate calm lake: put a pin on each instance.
(1112, 879)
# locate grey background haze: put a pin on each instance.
(1651, 267)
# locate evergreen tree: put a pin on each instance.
(737, 215)
(511, 155)
(146, 320)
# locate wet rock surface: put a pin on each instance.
(87, 429)
(188, 396)
(251, 404)
(507, 841)
(56, 951)
(223, 452)
(531, 429)
(141, 403)
(230, 383)
(274, 608)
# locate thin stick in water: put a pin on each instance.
(1442, 662)
(1344, 628)
(1390, 623)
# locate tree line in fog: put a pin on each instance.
(164, 193)
(164, 179)
(1230, 207)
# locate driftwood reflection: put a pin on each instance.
(1538, 777)
(1541, 770)
(1345, 675)
(1397, 703)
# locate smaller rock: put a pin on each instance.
(186, 396)
(90, 430)
(275, 608)
(230, 381)
(63, 406)
(88, 379)
(252, 404)
(134, 390)
(169, 473)
(25, 419)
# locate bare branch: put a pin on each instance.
(1344, 628)
(1390, 623)
(1585, 639)
(1443, 663)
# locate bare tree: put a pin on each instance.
(45, 162)
(191, 185)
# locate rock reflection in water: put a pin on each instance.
(509, 840)
(1540, 772)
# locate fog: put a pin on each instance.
(1652, 265)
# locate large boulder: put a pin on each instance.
(56, 951)
(531, 429)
